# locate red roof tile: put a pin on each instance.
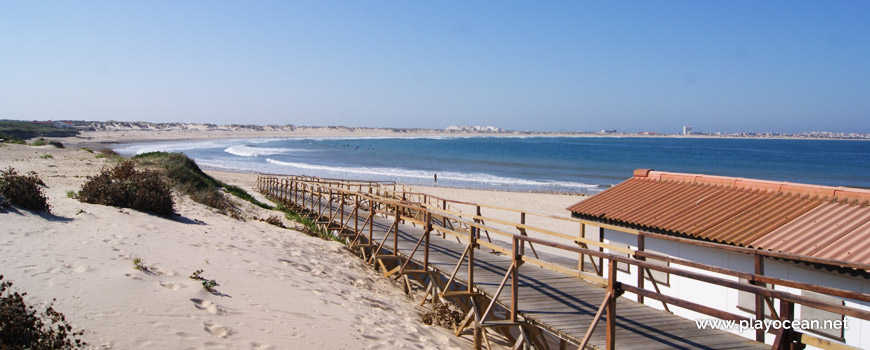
(804, 219)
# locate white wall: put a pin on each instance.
(857, 334)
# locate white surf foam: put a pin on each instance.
(169, 147)
(248, 151)
(419, 174)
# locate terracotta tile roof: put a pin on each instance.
(819, 221)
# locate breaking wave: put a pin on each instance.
(419, 174)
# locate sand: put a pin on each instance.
(279, 288)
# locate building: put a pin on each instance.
(813, 236)
(687, 130)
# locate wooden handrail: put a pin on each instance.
(406, 211)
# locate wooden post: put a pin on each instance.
(396, 233)
(515, 278)
(428, 232)
(759, 299)
(284, 191)
(581, 264)
(611, 306)
(601, 249)
(471, 241)
(640, 279)
(444, 217)
(786, 336)
(341, 216)
(371, 221)
(356, 214)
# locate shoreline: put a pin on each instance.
(97, 140)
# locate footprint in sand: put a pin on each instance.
(300, 267)
(133, 276)
(207, 306)
(172, 285)
(216, 330)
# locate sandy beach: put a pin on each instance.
(279, 288)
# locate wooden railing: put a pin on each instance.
(326, 199)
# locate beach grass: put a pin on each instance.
(43, 142)
(310, 227)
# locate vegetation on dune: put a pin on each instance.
(43, 142)
(110, 154)
(23, 327)
(207, 284)
(309, 227)
(190, 179)
(12, 140)
(443, 316)
(124, 186)
(186, 176)
(14, 129)
(238, 192)
(23, 190)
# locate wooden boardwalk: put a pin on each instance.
(561, 305)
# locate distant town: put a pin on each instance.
(65, 128)
(686, 131)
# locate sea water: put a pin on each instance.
(560, 164)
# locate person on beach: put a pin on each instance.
(436, 179)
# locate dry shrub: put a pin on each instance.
(275, 220)
(23, 190)
(441, 315)
(124, 186)
(22, 327)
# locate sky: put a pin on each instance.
(778, 66)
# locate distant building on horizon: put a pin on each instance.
(687, 129)
(477, 128)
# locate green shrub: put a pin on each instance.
(109, 153)
(87, 150)
(46, 156)
(43, 142)
(23, 190)
(124, 186)
(187, 177)
(180, 168)
(238, 192)
(22, 327)
(207, 284)
(28, 130)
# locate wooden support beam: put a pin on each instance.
(612, 287)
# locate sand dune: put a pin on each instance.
(279, 289)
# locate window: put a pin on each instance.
(809, 313)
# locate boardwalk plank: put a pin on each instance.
(551, 299)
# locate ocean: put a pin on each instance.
(552, 164)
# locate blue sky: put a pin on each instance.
(726, 66)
